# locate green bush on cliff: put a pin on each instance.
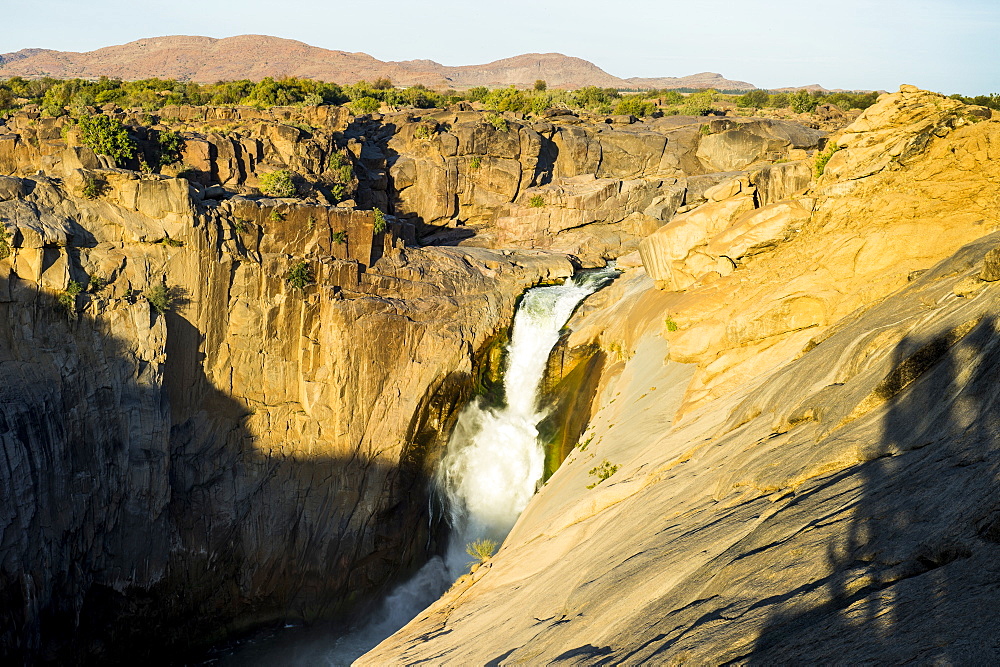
(277, 184)
(168, 147)
(300, 274)
(379, 223)
(161, 297)
(5, 249)
(93, 187)
(481, 550)
(106, 136)
(823, 158)
(341, 167)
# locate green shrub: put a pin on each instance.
(705, 130)
(341, 167)
(277, 184)
(364, 105)
(802, 102)
(423, 132)
(160, 297)
(670, 324)
(633, 105)
(475, 162)
(379, 224)
(698, 104)
(540, 85)
(755, 98)
(241, 226)
(338, 191)
(93, 187)
(5, 249)
(96, 283)
(168, 242)
(340, 237)
(538, 201)
(497, 121)
(506, 99)
(477, 93)
(169, 145)
(602, 472)
(67, 299)
(779, 100)
(106, 136)
(276, 216)
(481, 550)
(823, 158)
(300, 274)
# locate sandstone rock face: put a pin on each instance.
(803, 452)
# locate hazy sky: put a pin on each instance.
(943, 45)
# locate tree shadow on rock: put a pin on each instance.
(915, 576)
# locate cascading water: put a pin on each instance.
(491, 468)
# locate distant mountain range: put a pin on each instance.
(206, 60)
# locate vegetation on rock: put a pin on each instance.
(602, 472)
(300, 275)
(481, 550)
(161, 297)
(277, 184)
(106, 136)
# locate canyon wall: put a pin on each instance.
(793, 452)
(257, 450)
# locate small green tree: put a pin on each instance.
(379, 223)
(160, 297)
(756, 99)
(803, 102)
(169, 145)
(364, 105)
(300, 274)
(106, 136)
(277, 184)
(540, 85)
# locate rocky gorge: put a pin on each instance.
(789, 380)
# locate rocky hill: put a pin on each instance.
(204, 59)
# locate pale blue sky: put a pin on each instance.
(944, 45)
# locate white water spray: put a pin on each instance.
(492, 466)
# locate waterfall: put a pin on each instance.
(492, 466)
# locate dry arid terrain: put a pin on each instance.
(205, 59)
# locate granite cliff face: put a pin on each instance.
(796, 416)
(259, 452)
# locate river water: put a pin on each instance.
(492, 466)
